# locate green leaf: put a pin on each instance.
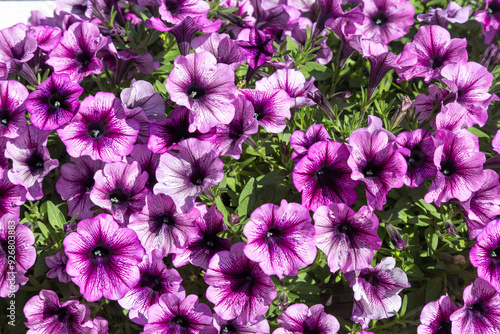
(414, 271)
(44, 229)
(318, 71)
(222, 208)
(247, 197)
(478, 132)
(56, 217)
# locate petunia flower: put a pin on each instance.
(299, 318)
(103, 258)
(57, 265)
(172, 315)
(323, 176)
(330, 11)
(280, 238)
(17, 47)
(54, 102)
(349, 239)
(100, 130)
(238, 287)
(234, 327)
(224, 49)
(481, 311)
(483, 255)
(489, 18)
(453, 13)
(156, 280)
(148, 162)
(45, 314)
(13, 95)
(120, 188)
(175, 11)
(12, 196)
(301, 141)
(435, 316)
(47, 38)
(452, 117)
(184, 175)
(12, 270)
(142, 94)
(258, 48)
(159, 225)
(76, 53)
(427, 106)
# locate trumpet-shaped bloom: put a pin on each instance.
(13, 123)
(12, 196)
(323, 176)
(299, 318)
(238, 287)
(435, 316)
(142, 94)
(234, 327)
(280, 238)
(57, 264)
(17, 47)
(485, 254)
(453, 13)
(489, 18)
(224, 49)
(258, 49)
(103, 258)
(349, 239)
(271, 108)
(301, 141)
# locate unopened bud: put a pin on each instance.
(396, 238)
(406, 106)
(459, 259)
(233, 219)
(450, 228)
(491, 57)
(283, 300)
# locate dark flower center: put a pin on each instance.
(166, 219)
(5, 116)
(448, 168)
(95, 129)
(308, 330)
(89, 183)
(56, 100)
(117, 196)
(371, 170)
(493, 8)
(195, 92)
(211, 240)
(436, 62)
(371, 278)
(416, 157)
(345, 228)
(151, 281)
(63, 316)
(476, 307)
(172, 5)
(229, 328)
(259, 113)
(380, 18)
(83, 58)
(235, 131)
(100, 253)
(495, 254)
(444, 328)
(35, 163)
(197, 177)
(181, 321)
(274, 232)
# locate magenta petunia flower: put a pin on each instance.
(419, 156)
(205, 87)
(387, 20)
(427, 106)
(148, 162)
(57, 264)
(47, 38)
(301, 141)
(323, 176)
(470, 82)
(100, 130)
(76, 53)
(238, 287)
(481, 311)
(30, 161)
(376, 289)
(349, 239)
(172, 315)
(54, 103)
(258, 48)
(453, 13)
(484, 253)
(142, 94)
(271, 108)
(120, 188)
(175, 11)
(75, 184)
(452, 117)
(299, 318)
(460, 167)
(489, 18)
(46, 314)
(156, 280)
(330, 12)
(17, 47)
(23, 251)
(12, 196)
(224, 49)
(159, 225)
(204, 242)
(374, 161)
(103, 258)
(280, 238)
(483, 205)
(435, 316)
(234, 327)
(291, 81)
(184, 175)
(13, 123)
(434, 50)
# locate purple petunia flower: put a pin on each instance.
(148, 162)
(484, 253)
(453, 13)
(30, 161)
(103, 258)
(481, 311)
(76, 53)
(54, 103)
(173, 315)
(120, 188)
(13, 123)
(483, 205)
(156, 280)
(46, 314)
(159, 225)
(100, 130)
(452, 117)
(234, 327)
(205, 87)
(435, 316)
(12, 196)
(184, 175)
(460, 167)
(17, 47)
(238, 287)
(47, 38)
(271, 108)
(258, 48)
(387, 20)
(175, 11)
(224, 49)
(419, 156)
(301, 141)
(280, 238)
(57, 264)
(204, 242)
(349, 239)
(21, 251)
(299, 318)
(142, 94)
(374, 161)
(434, 50)
(376, 289)
(330, 12)
(323, 176)
(489, 18)
(427, 106)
